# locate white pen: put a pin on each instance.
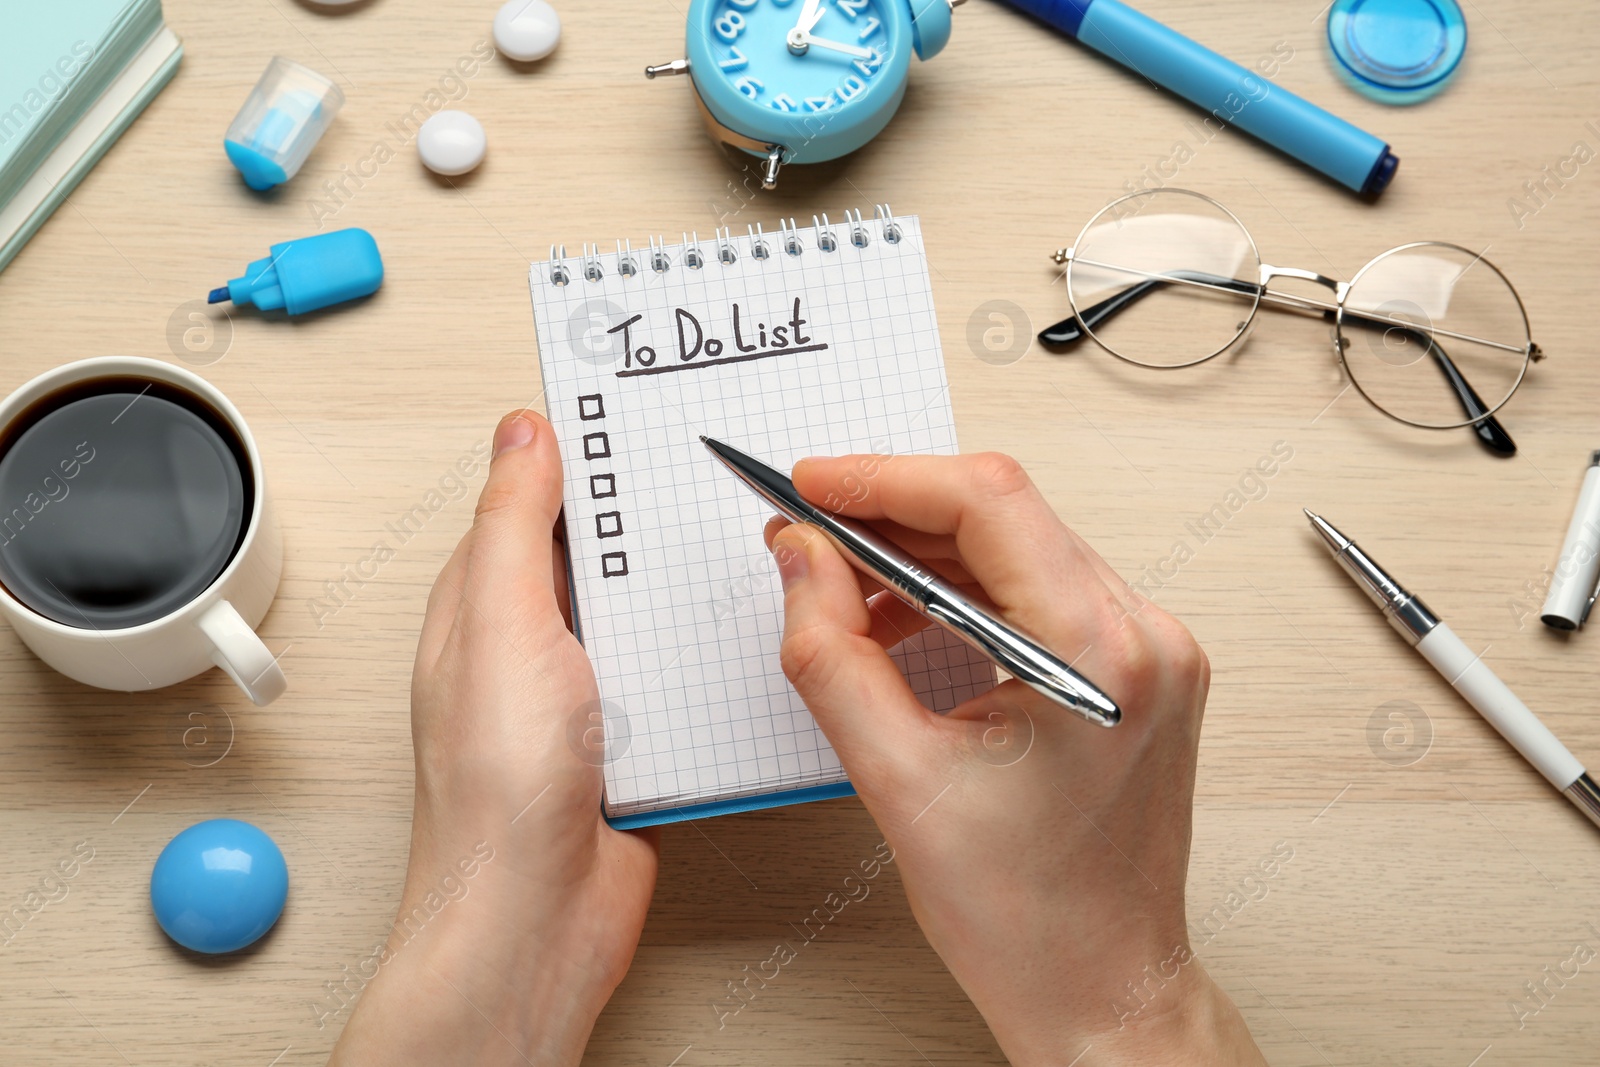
(1466, 672)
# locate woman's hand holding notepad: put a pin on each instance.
(522, 908)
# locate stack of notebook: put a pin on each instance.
(73, 75)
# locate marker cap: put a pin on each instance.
(280, 122)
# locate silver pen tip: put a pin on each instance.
(1335, 540)
(706, 441)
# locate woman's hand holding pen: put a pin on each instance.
(1044, 857)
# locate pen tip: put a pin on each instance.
(704, 439)
(1336, 541)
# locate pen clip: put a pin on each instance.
(1588, 607)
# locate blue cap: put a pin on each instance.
(261, 172)
(1397, 51)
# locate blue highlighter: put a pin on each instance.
(308, 273)
(1233, 94)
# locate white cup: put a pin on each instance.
(216, 627)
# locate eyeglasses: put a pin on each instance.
(1170, 278)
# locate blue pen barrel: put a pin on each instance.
(1234, 95)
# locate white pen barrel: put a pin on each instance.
(1572, 581)
(1473, 679)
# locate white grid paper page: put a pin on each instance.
(678, 602)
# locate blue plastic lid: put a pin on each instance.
(1397, 51)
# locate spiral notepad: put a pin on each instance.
(816, 340)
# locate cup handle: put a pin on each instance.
(239, 652)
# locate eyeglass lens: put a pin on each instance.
(1422, 318)
(1124, 255)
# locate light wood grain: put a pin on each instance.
(1419, 898)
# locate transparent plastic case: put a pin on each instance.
(281, 121)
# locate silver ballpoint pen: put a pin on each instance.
(1465, 671)
(1026, 659)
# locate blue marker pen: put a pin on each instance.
(1235, 95)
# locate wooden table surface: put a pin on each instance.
(1433, 873)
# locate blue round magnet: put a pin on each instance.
(218, 886)
(1397, 51)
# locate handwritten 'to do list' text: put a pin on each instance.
(696, 346)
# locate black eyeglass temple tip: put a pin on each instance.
(1488, 430)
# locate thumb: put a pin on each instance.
(854, 690)
(514, 523)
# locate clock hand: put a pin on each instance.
(806, 13)
(836, 46)
(812, 15)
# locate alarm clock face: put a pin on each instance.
(818, 76)
(767, 53)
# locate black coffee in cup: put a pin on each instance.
(121, 500)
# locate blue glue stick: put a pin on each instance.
(311, 273)
(1233, 95)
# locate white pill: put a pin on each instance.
(451, 142)
(526, 30)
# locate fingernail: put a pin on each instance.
(512, 433)
(793, 564)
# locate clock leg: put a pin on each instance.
(769, 174)
(677, 66)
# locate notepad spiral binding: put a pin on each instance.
(727, 248)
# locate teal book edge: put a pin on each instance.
(86, 162)
(56, 60)
(732, 807)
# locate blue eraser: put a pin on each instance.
(218, 886)
(309, 273)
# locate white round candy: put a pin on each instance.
(526, 30)
(451, 142)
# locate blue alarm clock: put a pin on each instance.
(802, 81)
